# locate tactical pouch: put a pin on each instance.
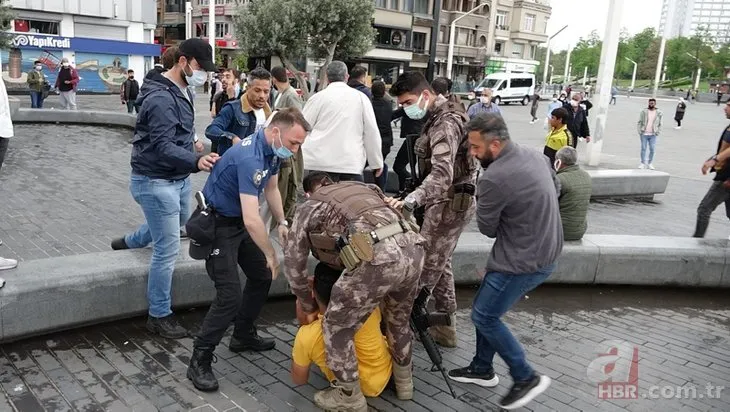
(463, 193)
(347, 254)
(422, 150)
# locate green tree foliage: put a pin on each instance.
(321, 29)
(6, 15)
(587, 53)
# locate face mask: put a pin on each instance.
(198, 77)
(236, 91)
(39, 67)
(64, 65)
(555, 99)
(485, 99)
(281, 152)
(574, 103)
(414, 111)
(557, 165)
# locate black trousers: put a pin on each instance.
(234, 247)
(400, 164)
(716, 195)
(3, 149)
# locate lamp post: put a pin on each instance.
(660, 60)
(585, 74)
(566, 78)
(452, 36)
(633, 75)
(699, 71)
(211, 26)
(188, 19)
(547, 58)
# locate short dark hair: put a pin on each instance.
(37, 61)
(290, 116)
(410, 82)
(313, 179)
(440, 85)
(170, 57)
(259, 73)
(130, 71)
(562, 114)
(378, 89)
(279, 73)
(358, 72)
(489, 124)
(325, 277)
(652, 100)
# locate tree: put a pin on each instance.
(6, 15)
(587, 53)
(240, 61)
(322, 29)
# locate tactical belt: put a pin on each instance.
(358, 247)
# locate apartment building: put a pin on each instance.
(713, 15)
(101, 38)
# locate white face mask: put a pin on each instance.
(198, 77)
(555, 99)
(39, 67)
(557, 165)
(574, 103)
(485, 99)
(65, 65)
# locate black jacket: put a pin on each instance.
(577, 122)
(360, 87)
(408, 125)
(130, 90)
(162, 147)
(383, 116)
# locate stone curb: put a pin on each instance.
(52, 294)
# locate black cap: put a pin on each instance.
(199, 251)
(201, 51)
(201, 231)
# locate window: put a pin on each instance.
(442, 34)
(36, 26)
(465, 6)
(407, 6)
(175, 6)
(517, 49)
(483, 41)
(544, 30)
(220, 2)
(381, 3)
(419, 42)
(421, 7)
(392, 38)
(221, 29)
(462, 36)
(527, 82)
(533, 50)
(394, 5)
(529, 22)
(501, 20)
(498, 48)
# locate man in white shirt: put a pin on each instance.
(344, 132)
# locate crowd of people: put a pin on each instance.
(278, 164)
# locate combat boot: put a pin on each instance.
(445, 335)
(403, 377)
(200, 370)
(342, 396)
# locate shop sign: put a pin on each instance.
(41, 42)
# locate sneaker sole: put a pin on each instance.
(156, 331)
(491, 383)
(532, 394)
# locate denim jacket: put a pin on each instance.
(236, 119)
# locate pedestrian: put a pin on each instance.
(569, 90)
(292, 169)
(649, 127)
(36, 83)
(408, 127)
(585, 104)
(240, 238)
(374, 363)
(242, 117)
(577, 119)
(6, 132)
(163, 157)
(442, 86)
(445, 193)
(518, 206)
(679, 113)
(719, 96)
(575, 193)
(66, 83)
(358, 76)
(229, 91)
(130, 92)
(383, 109)
(345, 133)
(719, 191)
(614, 93)
(554, 104)
(533, 107)
(215, 87)
(485, 104)
(559, 135)
(382, 272)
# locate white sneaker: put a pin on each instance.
(677, 127)
(7, 263)
(642, 166)
(651, 166)
(532, 122)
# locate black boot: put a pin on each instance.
(250, 340)
(200, 371)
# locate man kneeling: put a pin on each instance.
(371, 348)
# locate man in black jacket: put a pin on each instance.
(357, 80)
(578, 120)
(383, 109)
(408, 127)
(130, 91)
(162, 159)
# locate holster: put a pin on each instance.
(461, 196)
(358, 247)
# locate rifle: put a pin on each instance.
(420, 321)
(415, 179)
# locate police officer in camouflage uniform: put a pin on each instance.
(446, 191)
(349, 226)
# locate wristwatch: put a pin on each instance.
(284, 223)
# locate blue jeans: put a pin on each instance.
(36, 100)
(647, 140)
(496, 295)
(166, 206)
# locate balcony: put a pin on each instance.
(502, 31)
(521, 34)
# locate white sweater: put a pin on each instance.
(344, 131)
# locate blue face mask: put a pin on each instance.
(281, 152)
(414, 111)
(198, 77)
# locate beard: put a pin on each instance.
(488, 159)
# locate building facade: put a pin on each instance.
(101, 38)
(689, 15)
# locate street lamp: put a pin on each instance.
(188, 19)
(699, 70)
(547, 58)
(633, 75)
(663, 44)
(211, 26)
(452, 35)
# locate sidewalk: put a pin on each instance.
(681, 337)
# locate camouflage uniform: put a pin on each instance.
(441, 139)
(390, 278)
